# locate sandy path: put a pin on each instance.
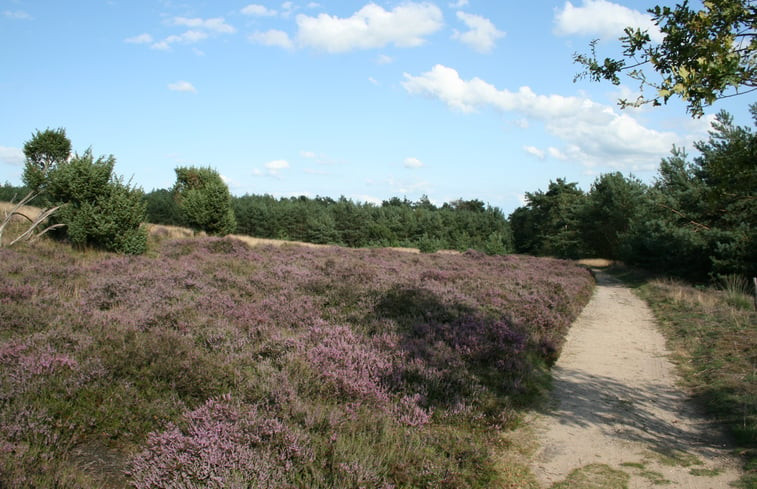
(615, 402)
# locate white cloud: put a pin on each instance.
(216, 24)
(16, 15)
(534, 151)
(271, 169)
(556, 153)
(370, 27)
(11, 156)
(200, 29)
(272, 37)
(307, 154)
(383, 59)
(258, 10)
(459, 4)
(182, 86)
(602, 18)
(413, 163)
(188, 37)
(287, 8)
(367, 198)
(594, 134)
(140, 39)
(373, 81)
(277, 165)
(482, 34)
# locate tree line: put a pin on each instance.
(458, 225)
(698, 220)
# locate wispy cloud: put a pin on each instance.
(140, 39)
(16, 15)
(11, 156)
(321, 159)
(413, 163)
(199, 30)
(215, 24)
(534, 151)
(182, 86)
(258, 10)
(271, 169)
(273, 37)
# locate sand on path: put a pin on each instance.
(615, 402)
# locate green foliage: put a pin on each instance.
(549, 222)
(99, 209)
(12, 193)
(161, 208)
(204, 201)
(44, 152)
(458, 225)
(705, 54)
(613, 203)
(700, 218)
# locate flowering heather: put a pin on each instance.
(219, 444)
(211, 364)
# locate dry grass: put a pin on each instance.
(29, 211)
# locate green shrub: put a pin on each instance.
(204, 201)
(98, 208)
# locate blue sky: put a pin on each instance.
(448, 98)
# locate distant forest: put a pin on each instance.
(459, 225)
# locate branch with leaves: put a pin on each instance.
(705, 55)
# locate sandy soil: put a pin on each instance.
(615, 402)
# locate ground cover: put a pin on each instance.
(208, 363)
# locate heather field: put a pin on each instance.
(209, 363)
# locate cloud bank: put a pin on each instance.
(593, 134)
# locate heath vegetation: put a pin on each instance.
(207, 363)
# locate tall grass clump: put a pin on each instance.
(207, 363)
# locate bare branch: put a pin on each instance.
(29, 234)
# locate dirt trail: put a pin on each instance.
(616, 408)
